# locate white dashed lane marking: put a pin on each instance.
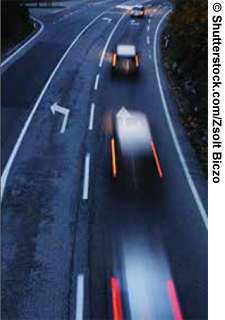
(80, 297)
(96, 82)
(91, 117)
(86, 176)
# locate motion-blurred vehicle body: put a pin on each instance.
(125, 59)
(137, 11)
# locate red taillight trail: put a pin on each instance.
(116, 299)
(156, 160)
(113, 152)
(174, 301)
(136, 61)
(114, 60)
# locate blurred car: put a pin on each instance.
(137, 11)
(132, 150)
(125, 59)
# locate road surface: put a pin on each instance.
(75, 245)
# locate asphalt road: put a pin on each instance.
(70, 234)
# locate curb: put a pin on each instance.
(39, 27)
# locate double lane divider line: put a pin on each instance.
(96, 82)
(91, 120)
(86, 176)
(33, 111)
(80, 297)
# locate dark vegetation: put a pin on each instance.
(41, 3)
(185, 51)
(15, 23)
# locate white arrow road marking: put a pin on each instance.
(56, 108)
(91, 116)
(107, 19)
(126, 7)
(86, 176)
(80, 297)
(134, 23)
(123, 113)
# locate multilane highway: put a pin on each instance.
(75, 244)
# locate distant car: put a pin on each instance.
(137, 11)
(125, 59)
(132, 150)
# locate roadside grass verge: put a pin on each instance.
(184, 45)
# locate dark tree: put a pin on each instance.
(14, 16)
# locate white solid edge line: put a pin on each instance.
(86, 176)
(96, 82)
(80, 297)
(91, 117)
(27, 123)
(172, 130)
(109, 38)
(25, 44)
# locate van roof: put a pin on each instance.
(126, 50)
(138, 6)
(133, 131)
